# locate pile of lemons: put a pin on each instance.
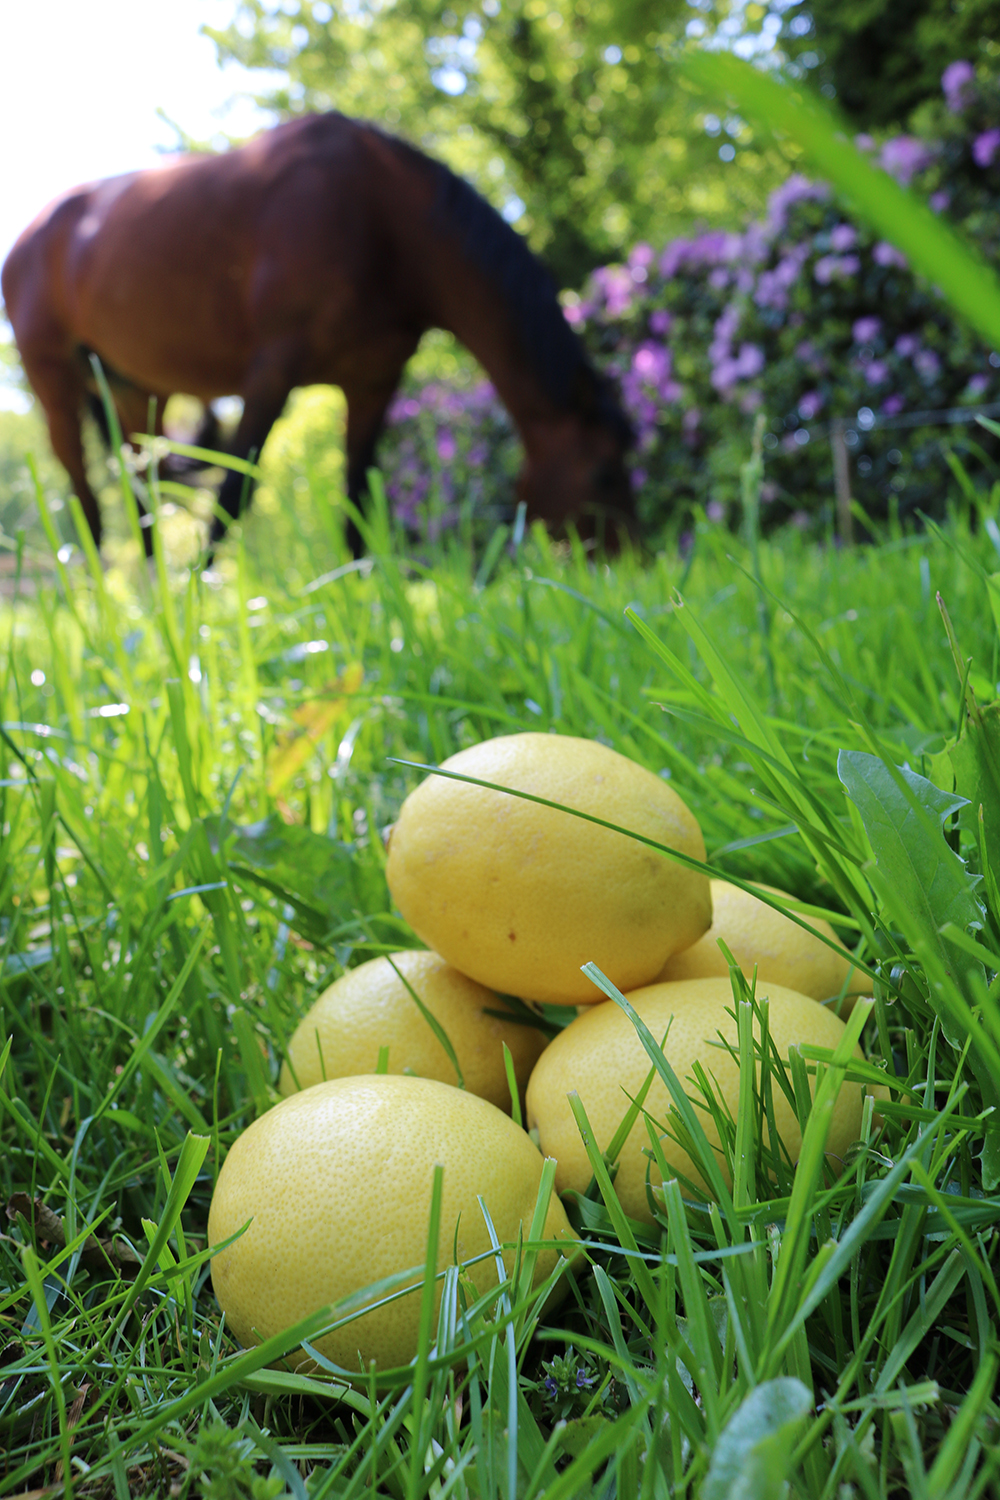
(512, 895)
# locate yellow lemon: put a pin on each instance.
(601, 1057)
(757, 934)
(336, 1181)
(370, 1007)
(519, 895)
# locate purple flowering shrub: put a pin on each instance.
(804, 317)
(449, 457)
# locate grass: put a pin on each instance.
(194, 777)
(195, 772)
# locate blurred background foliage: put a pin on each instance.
(707, 305)
(882, 59)
(563, 112)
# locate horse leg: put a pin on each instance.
(133, 408)
(208, 434)
(366, 408)
(264, 397)
(61, 393)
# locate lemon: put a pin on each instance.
(601, 1057)
(519, 895)
(336, 1181)
(370, 1007)
(757, 934)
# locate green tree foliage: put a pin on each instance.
(883, 58)
(563, 112)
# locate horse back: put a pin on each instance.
(177, 275)
(33, 276)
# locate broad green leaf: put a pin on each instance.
(315, 875)
(932, 246)
(973, 761)
(751, 1458)
(903, 815)
(925, 886)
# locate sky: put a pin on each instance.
(80, 84)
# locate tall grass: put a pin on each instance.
(194, 778)
(195, 771)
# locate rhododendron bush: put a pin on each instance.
(804, 317)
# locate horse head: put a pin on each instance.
(575, 466)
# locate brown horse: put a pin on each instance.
(318, 253)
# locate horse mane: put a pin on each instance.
(529, 291)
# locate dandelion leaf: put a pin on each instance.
(926, 887)
(754, 1450)
(312, 874)
(923, 883)
(971, 765)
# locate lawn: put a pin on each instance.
(196, 774)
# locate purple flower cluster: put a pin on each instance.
(442, 455)
(904, 156)
(985, 147)
(957, 85)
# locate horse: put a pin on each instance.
(319, 252)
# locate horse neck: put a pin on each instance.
(486, 332)
(470, 273)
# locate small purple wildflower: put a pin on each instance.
(866, 329)
(773, 286)
(672, 259)
(787, 195)
(843, 237)
(940, 201)
(725, 375)
(750, 361)
(885, 254)
(652, 362)
(957, 85)
(985, 147)
(835, 268)
(616, 286)
(904, 156)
